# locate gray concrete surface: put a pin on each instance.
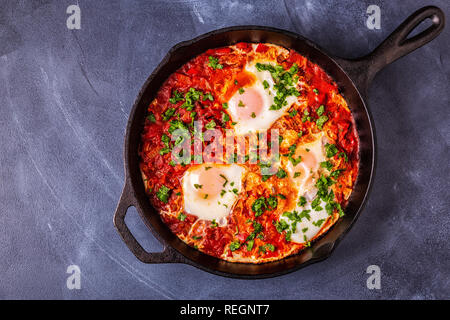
(65, 96)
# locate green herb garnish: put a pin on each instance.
(321, 121)
(163, 194)
(176, 96)
(168, 114)
(210, 125)
(331, 150)
(151, 117)
(235, 245)
(214, 63)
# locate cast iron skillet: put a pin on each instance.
(353, 78)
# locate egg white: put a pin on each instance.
(216, 206)
(267, 117)
(305, 184)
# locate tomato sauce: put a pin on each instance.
(222, 83)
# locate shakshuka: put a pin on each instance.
(238, 202)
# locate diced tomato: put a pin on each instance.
(192, 71)
(222, 51)
(261, 48)
(244, 46)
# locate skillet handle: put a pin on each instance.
(127, 199)
(396, 45)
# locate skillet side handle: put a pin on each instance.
(168, 255)
(396, 45)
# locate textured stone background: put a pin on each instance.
(65, 97)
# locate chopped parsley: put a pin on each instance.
(208, 96)
(214, 63)
(193, 114)
(295, 161)
(267, 246)
(189, 98)
(262, 204)
(257, 228)
(281, 225)
(327, 165)
(250, 244)
(165, 139)
(295, 217)
(168, 114)
(306, 116)
(176, 96)
(321, 121)
(163, 194)
(335, 174)
(331, 150)
(272, 202)
(316, 204)
(302, 201)
(151, 117)
(320, 110)
(235, 245)
(181, 216)
(284, 83)
(281, 173)
(259, 206)
(318, 223)
(292, 149)
(177, 124)
(164, 151)
(210, 125)
(225, 178)
(225, 117)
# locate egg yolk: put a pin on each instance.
(249, 104)
(302, 171)
(209, 183)
(308, 158)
